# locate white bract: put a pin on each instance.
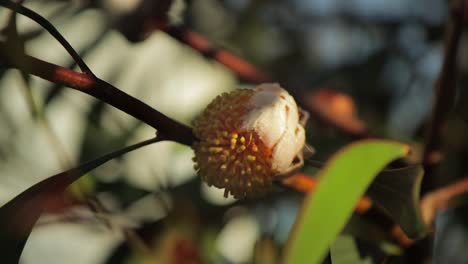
(274, 116)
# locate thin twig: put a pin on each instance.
(51, 29)
(171, 129)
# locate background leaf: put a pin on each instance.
(397, 193)
(343, 180)
(18, 216)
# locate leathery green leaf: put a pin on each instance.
(343, 179)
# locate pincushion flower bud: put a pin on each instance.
(248, 138)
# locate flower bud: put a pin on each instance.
(247, 138)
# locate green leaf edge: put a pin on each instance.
(300, 249)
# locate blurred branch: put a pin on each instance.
(245, 70)
(445, 90)
(133, 25)
(442, 199)
(169, 128)
(51, 29)
(248, 72)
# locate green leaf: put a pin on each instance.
(18, 216)
(365, 228)
(343, 180)
(397, 193)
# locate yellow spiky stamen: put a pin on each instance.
(226, 156)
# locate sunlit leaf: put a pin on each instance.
(18, 216)
(343, 180)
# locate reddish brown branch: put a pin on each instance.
(248, 72)
(445, 90)
(442, 199)
(244, 70)
(171, 129)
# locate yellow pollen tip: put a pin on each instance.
(241, 148)
(233, 143)
(227, 156)
(215, 149)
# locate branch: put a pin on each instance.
(248, 72)
(169, 128)
(442, 199)
(51, 29)
(445, 89)
(244, 70)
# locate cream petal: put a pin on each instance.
(274, 116)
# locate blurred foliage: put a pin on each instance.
(382, 56)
